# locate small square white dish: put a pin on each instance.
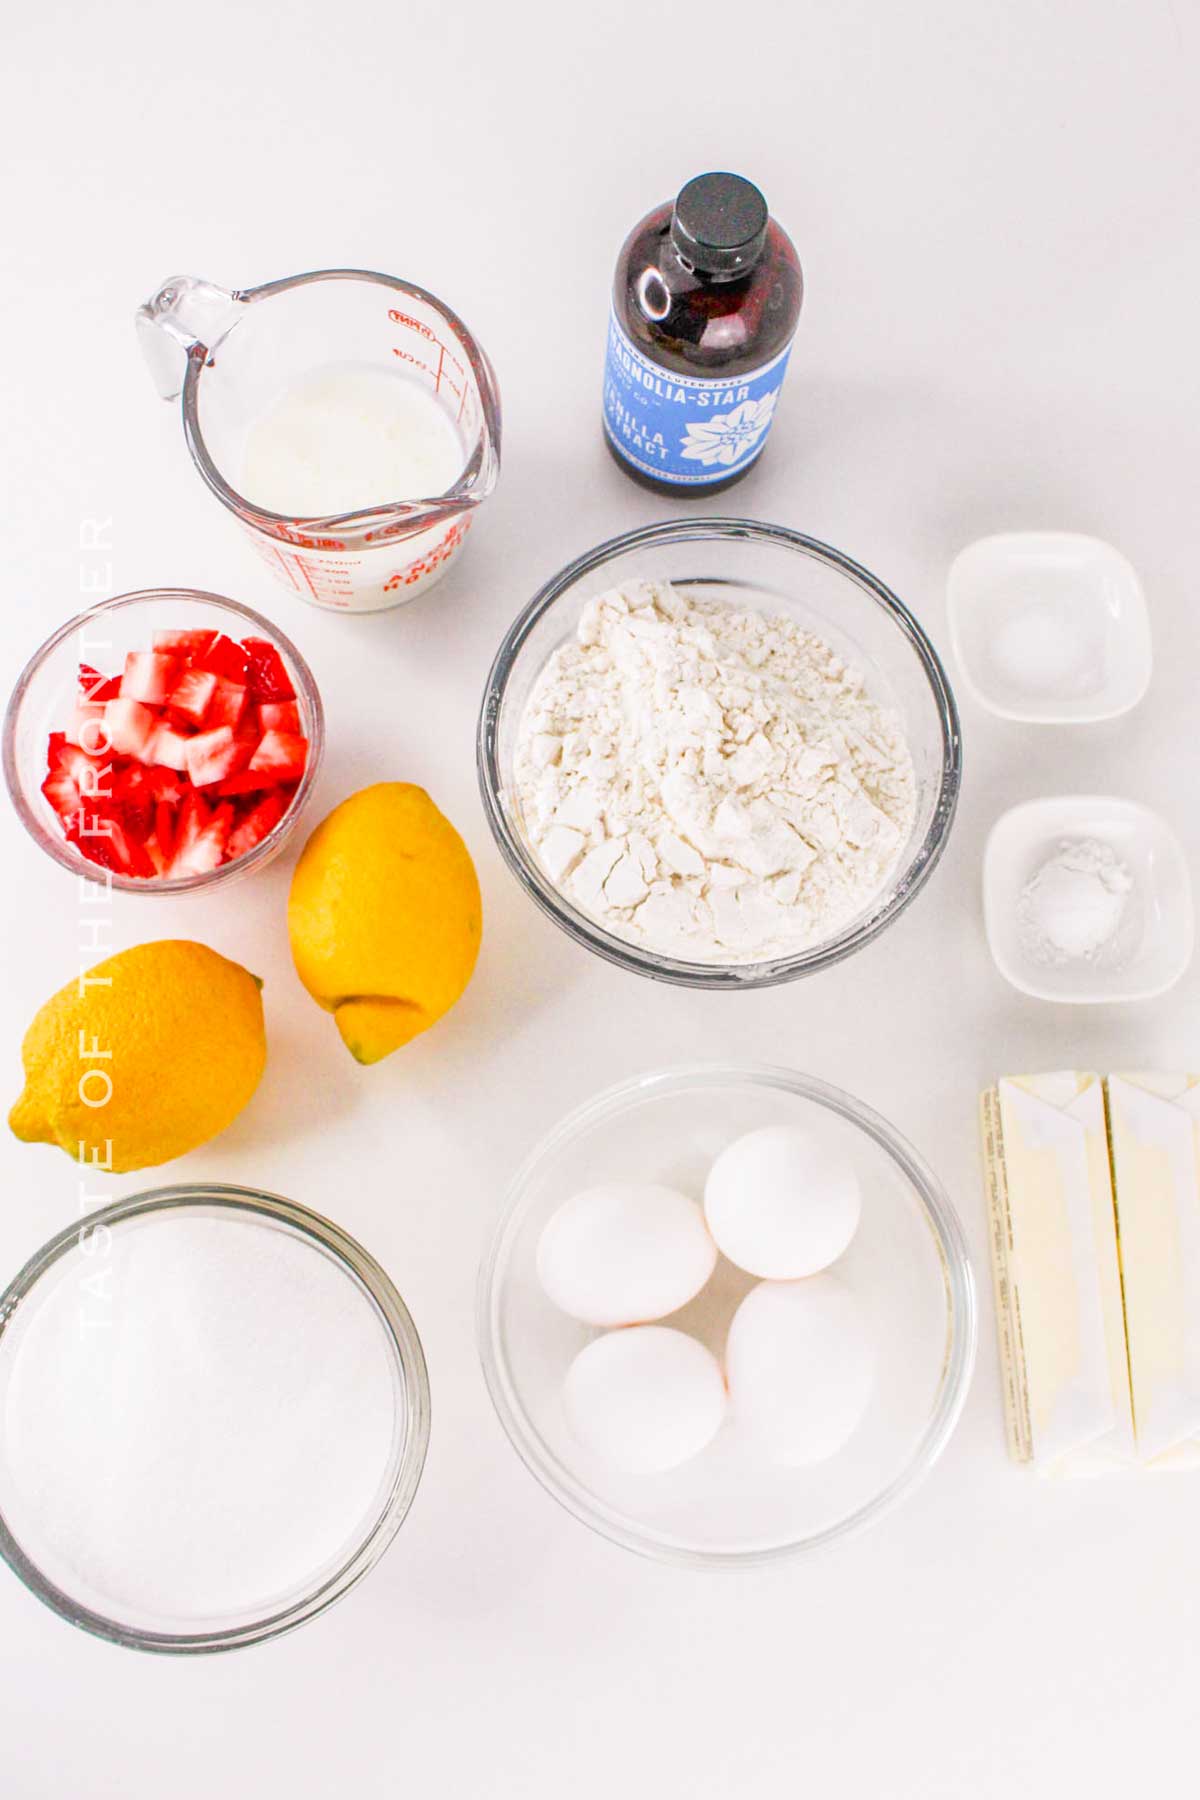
(1153, 944)
(1049, 627)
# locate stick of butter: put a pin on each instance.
(1057, 1279)
(1154, 1122)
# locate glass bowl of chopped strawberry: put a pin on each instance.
(163, 741)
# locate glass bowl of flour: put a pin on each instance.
(214, 1412)
(719, 753)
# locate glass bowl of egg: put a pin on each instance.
(727, 1315)
(719, 753)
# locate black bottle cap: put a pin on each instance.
(719, 224)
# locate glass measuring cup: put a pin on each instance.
(230, 355)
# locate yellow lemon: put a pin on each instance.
(152, 1053)
(385, 917)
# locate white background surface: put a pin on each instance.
(994, 205)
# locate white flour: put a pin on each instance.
(711, 783)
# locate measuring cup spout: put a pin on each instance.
(187, 317)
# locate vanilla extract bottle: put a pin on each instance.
(706, 299)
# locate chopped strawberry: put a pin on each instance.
(129, 724)
(150, 675)
(160, 860)
(87, 728)
(134, 796)
(96, 845)
(214, 755)
(279, 715)
(223, 657)
(191, 696)
(188, 644)
(62, 794)
(103, 839)
(202, 837)
(228, 705)
(188, 760)
(94, 686)
(247, 781)
(190, 821)
(167, 787)
(282, 754)
(167, 749)
(164, 828)
(92, 775)
(258, 823)
(267, 676)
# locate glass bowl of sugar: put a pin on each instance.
(215, 1413)
(719, 753)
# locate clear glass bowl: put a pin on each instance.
(29, 1548)
(908, 1266)
(777, 570)
(44, 697)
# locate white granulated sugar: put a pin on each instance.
(198, 1418)
(708, 781)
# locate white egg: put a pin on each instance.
(781, 1204)
(801, 1368)
(645, 1399)
(622, 1253)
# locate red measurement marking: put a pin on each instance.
(273, 556)
(461, 388)
(399, 318)
(418, 362)
(433, 559)
(321, 578)
(304, 541)
(464, 379)
(302, 565)
(287, 568)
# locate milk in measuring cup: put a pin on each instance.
(345, 437)
(348, 420)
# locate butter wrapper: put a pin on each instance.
(1154, 1122)
(1057, 1279)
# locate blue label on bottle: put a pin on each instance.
(689, 429)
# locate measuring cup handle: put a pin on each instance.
(187, 317)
